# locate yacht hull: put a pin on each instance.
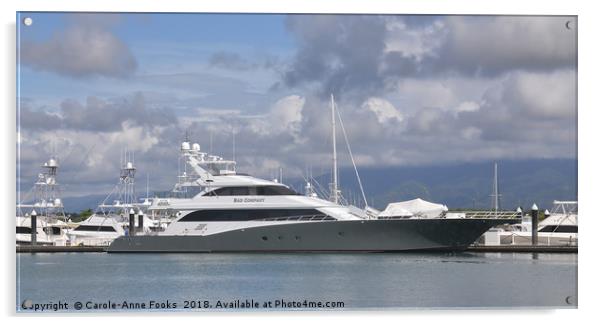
(324, 236)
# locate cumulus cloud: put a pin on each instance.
(286, 115)
(365, 56)
(98, 114)
(493, 45)
(346, 57)
(519, 108)
(85, 48)
(385, 111)
(543, 96)
(408, 92)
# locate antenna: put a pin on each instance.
(233, 145)
(335, 186)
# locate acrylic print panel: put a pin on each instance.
(278, 162)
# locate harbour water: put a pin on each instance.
(434, 280)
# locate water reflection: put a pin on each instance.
(360, 280)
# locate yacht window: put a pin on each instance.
(253, 214)
(275, 190)
(252, 190)
(561, 228)
(52, 230)
(95, 228)
(23, 230)
(240, 191)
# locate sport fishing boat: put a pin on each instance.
(111, 218)
(235, 212)
(559, 228)
(40, 214)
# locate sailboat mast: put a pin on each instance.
(496, 190)
(335, 185)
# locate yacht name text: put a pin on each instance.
(248, 200)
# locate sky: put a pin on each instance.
(411, 90)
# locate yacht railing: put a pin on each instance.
(491, 214)
(466, 215)
(319, 217)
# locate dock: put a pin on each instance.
(474, 248)
(521, 249)
(60, 249)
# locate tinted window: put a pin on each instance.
(240, 191)
(52, 230)
(275, 190)
(246, 215)
(23, 230)
(95, 228)
(252, 190)
(552, 228)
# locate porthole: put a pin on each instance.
(279, 237)
(341, 234)
(264, 238)
(297, 238)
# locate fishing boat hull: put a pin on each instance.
(325, 236)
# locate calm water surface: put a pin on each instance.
(440, 280)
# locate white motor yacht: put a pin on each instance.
(559, 228)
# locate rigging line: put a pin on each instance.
(85, 156)
(359, 180)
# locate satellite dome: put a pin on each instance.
(185, 145)
(196, 146)
(52, 162)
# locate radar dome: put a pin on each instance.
(185, 145)
(196, 146)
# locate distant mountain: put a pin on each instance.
(461, 186)
(521, 182)
(80, 203)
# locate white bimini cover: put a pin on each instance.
(418, 208)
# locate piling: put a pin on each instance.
(34, 227)
(140, 221)
(132, 222)
(534, 220)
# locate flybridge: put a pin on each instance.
(204, 164)
(210, 171)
